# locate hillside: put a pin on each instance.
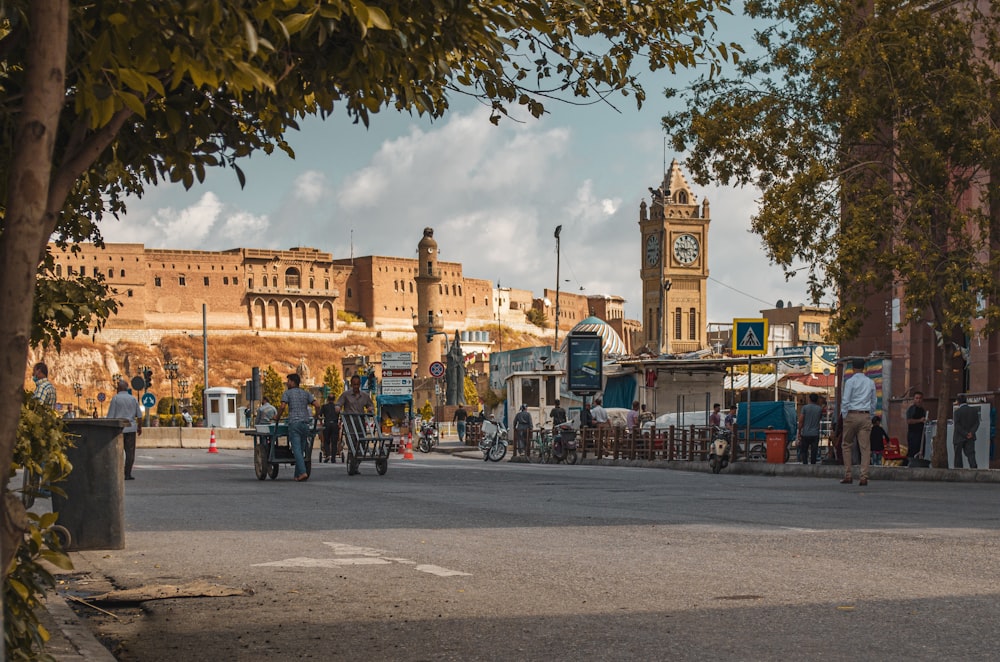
(230, 357)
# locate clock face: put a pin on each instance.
(686, 248)
(652, 250)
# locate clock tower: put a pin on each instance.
(674, 234)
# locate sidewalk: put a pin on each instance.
(72, 641)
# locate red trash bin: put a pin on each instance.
(776, 440)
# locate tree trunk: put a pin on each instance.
(29, 221)
(939, 456)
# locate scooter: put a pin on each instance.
(564, 444)
(494, 442)
(428, 436)
(718, 450)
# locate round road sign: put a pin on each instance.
(101, 397)
(437, 369)
(148, 400)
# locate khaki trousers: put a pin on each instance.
(857, 430)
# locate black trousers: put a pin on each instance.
(968, 446)
(128, 439)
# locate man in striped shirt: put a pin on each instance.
(45, 392)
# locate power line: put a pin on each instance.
(746, 294)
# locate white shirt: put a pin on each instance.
(859, 395)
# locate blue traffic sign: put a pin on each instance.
(101, 397)
(749, 336)
(436, 369)
(148, 400)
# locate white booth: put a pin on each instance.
(221, 407)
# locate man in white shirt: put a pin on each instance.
(857, 406)
(124, 405)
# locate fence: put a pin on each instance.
(674, 443)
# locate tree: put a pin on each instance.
(333, 381)
(103, 98)
(875, 147)
(272, 385)
(471, 396)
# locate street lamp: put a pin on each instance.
(91, 407)
(558, 232)
(115, 379)
(182, 385)
(78, 390)
(171, 368)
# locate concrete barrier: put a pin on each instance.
(225, 438)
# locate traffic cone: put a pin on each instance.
(211, 443)
(409, 448)
(402, 445)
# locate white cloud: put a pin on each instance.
(245, 228)
(310, 187)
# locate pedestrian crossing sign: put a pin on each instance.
(749, 337)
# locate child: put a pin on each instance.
(878, 440)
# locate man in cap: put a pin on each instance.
(124, 405)
(522, 432)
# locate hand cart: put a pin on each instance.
(365, 442)
(271, 449)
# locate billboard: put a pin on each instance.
(585, 363)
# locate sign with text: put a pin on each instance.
(585, 363)
(396, 361)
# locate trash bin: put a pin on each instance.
(776, 440)
(93, 509)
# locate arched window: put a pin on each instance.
(693, 324)
(58, 271)
(274, 281)
(111, 273)
(326, 283)
(411, 287)
(682, 197)
(292, 278)
(677, 324)
(250, 283)
(312, 282)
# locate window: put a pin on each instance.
(111, 273)
(692, 324)
(235, 280)
(225, 280)
(312, 282)
(274, 281)
(249, 282)
(411, 287)
(292, 278)
(58, 271)
(122, 273)
(129, 293)
(83, 271)
(348, 293)
(677, 324)
(157, 282)
(206, 281)
(181, 280)
(529, 392)
(810, 328)
(326, 283)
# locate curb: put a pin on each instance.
(71, 640)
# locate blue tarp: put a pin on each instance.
(393, 399)
(777, 415)
(619, 392)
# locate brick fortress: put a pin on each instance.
(305, 290)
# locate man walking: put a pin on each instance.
(857, 407)
(916, 416)
(964, 433)
(45, 392)
(459, 418)
(522, 432)
(809, 418)
(298, 401)
(124, 405)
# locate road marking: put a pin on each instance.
(353, 555)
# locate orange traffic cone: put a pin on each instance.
(211, 443)
(402, 445)
(409, 448)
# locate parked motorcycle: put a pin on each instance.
(718, 450)
(564, 444)
(428, 436)
(494, 442)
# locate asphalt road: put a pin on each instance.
(455, 559)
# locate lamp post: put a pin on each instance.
(558, 253)
(78, 390)
(91, 403)
(115, 378)
(171, 369)
(182, 386)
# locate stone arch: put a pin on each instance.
(271, 318)
(258, 314)
(312, 316)
(301, 320)
(293, 279)
(285, 315)
(327, 316)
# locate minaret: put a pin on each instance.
(428, 303)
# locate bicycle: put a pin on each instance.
(543, 443)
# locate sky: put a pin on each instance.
(494, 196)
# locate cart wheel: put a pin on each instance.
(757, 452)
(63, 536)
(272, 470)
(382, 465)
(352, 464)
(260, 461)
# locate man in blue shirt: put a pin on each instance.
(297, 401)
(857, 406)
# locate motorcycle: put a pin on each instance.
(718, 450)
(428, 436)
(494, 442)
(564, 444)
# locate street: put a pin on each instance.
(448, 558)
